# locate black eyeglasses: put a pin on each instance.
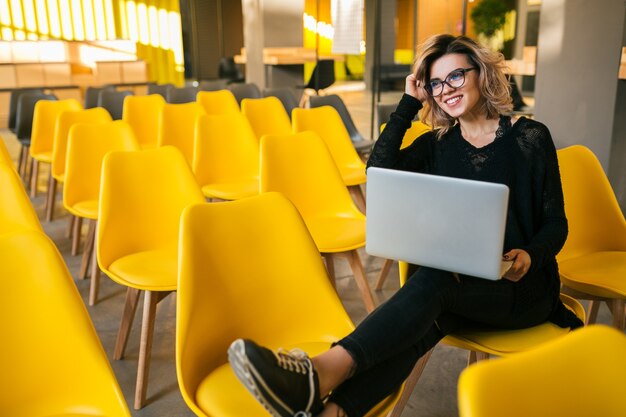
(455, 79)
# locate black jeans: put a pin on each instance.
(433, 303)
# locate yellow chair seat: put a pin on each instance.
(85, 209)
(148, 146)
(353, 175)
(504, 342)
(232, 190)
(60, 178)
(600, 274)
(45, 156)
(337, 234)
(221, 393)
(154, 270)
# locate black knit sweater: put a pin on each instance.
(523, 157)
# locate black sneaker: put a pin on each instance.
(285, 383)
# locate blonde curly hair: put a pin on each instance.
(493, 84)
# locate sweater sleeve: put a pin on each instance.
(387, 152)
(552, 224)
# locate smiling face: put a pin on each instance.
(461, 101)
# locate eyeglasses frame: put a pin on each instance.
(463, 71)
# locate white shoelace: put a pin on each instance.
(298, 361)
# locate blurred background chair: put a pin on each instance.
(327, 123)
(322, 77)
(592, 262)
(579, 375)
(226, 157)
(178, 127)
(66, 120)
(301, 167)
(142, 196)
(14, 99)
(45, 117)
(54, 351)
(160, 89)
(87, 145)
(244, 90)
(181, 95)
(270, 252)
(92, 95)
(218, 102)
(230, 71)
(142, 113)
(24, 127)
(113, 102)
(213, 85)
(362, 145)
(482, 342)
(286, 96)
(266, 116)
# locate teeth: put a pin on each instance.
(453, 100)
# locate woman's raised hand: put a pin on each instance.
(414, 88)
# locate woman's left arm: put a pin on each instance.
(552, 230)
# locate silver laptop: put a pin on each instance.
(446, 223)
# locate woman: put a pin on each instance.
(465, 95)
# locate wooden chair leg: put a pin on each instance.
(34, 174)
(95, 276)
(380, 281)
(130, 306)
(20, 162)
(618, 313)
(51, 196)
(76, 223)
(150, 302)
(88, 249)
(330, 267)
(409, 385)
(358, 196)
(361, 279)
(594, 306)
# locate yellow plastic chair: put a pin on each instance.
(226, 157)
(267, 116)
(592, 262)
(416, 130)
(52, 361)
(178, 127)
(579, 375)
(327, 123)
(143, 113)
(218, 102)
(45, 119)
(301, 167)
(16, 211)
(87, 146)
(142, 196)
(5, 158)
(66, 120)
(267, 279)
(481, 343)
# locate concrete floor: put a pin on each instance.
(434, 396)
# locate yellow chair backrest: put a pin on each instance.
(87, 146)
(67, 119)
(301, 167)
(5, 158)
(142, 113)
(327, 123)
(596, 222)
(250, 250)
(52, 349)
(416, 130)
(225, 149)
(577, 375)
(16, 211)
(218, 102)
(141, 197)
(45, 118)
(267, 116)
(178, 127)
